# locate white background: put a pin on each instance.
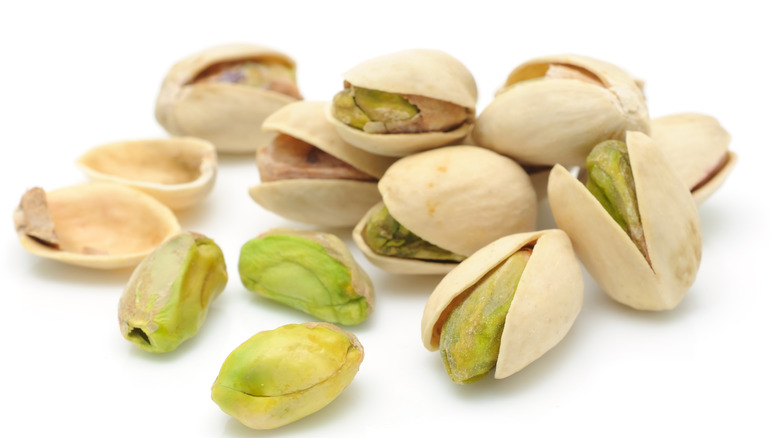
(79, 74)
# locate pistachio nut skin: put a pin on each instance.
(279, 376)
(611, 181)
(471, 335)
(313, 272)
(168, 295)
(357, 106)
(384, 235)
(670, 223)
(547, 298)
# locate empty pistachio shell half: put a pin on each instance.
(96, 225)
(504, 306)
(311, 271)
(166, 300)
(405, 102)
(309, 174)
(222, 94)
(177, 171)
(669, 221)
(554, 109)
(457, 198)
(279, 376)
(696, 145)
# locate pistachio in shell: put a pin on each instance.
(669, 223)
(504, 306)
(552, 110)
(223, 93)
(168, 296)
(697, 147)
(457, 198)
(310, 271)
(178, 171)
(311, 175)
(279, 376)
(405, 102)
(95, 225)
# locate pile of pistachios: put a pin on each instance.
(427, 186)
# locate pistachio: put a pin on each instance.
(384, 235)
(697, 147)
(471, 336)
(669, 221)
(96, 225)
(611, 181)
(405, 102)
(552, 110)
(313, 272)
(372, 110)
(309, 174)
(279, 376)
(504, 306)
(222, 94)
(457, 198)
(168, 295)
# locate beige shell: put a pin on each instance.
(670, 222)
(459, 198)
(546, 303)
(696, 146)
(429, 73)
(228, 115)
(101, 225)
(177, 171)
(327, 202)
(557, 120)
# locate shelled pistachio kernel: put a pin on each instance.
(282, 375)
(169, 293)
(311, 271)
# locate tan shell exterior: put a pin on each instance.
(558, 121)
(460, 198)
(228, 115)
(547, 301)
(694, 144)
(671, 226)
(327, 202)
(177, 171)
(429, 73)
(118, 225)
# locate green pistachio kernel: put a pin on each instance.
(168, 295)
(385, 236)
(471, 334)
(313, 272)
(611, 181)
(279, 376)
(356, 107)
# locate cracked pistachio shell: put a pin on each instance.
(310, 271)
(556, 120)
(279, 376)
(96, 225)
(167, 298)
(459, 198)
(670, 223)
(226, 114)
(177, 171)
(319, 201)
(696, 145)
(545, 305)
(428, 73)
